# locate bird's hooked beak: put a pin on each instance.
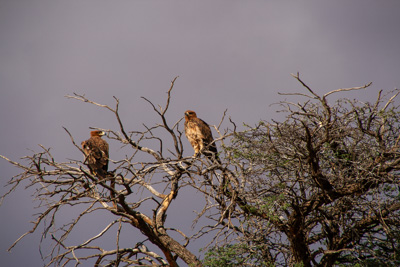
(102, 133)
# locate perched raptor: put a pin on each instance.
(200, 137)
(96, 151)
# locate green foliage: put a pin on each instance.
(235, 255)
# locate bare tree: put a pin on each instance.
(319, 188)
(59, 185)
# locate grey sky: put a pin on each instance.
(234, 55)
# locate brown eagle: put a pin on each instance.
(200, 137)
(96, 151)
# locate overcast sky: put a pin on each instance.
(234, 55)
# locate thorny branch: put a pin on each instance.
(59, 185)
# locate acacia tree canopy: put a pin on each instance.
(319, 188)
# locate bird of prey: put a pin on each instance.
(199, 134)
(96, 151)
